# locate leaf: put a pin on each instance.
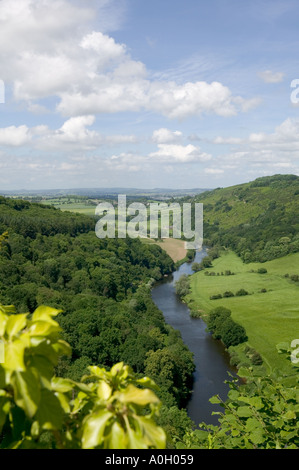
(290, 415)
(252, 424)
(244, 411)
(44, 328)
(215, 400)
(3, 321)
(62, 385)
(135, 440)
(50, 413)
(15, 324)
(94, 427)
(26, 391)
(233, 395)
(257, 436)
(153, 435)
(147, 382)
(104, 390)
(8, 309)
(14, 355)
(117, 438)
(46, 314)
(137, 396)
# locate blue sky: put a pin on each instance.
(128, 93)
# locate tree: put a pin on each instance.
(105, 410)
(261, 414)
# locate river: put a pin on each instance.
(211, 359)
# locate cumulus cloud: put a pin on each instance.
(15, 136)
(74, 135)
(50, 48)
(165, 136)
(274, 151)
(172, 153)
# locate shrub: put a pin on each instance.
(262, 271)
(228, 294)
(182, 286)
(241, 292)
(232, 333)
(216, 296)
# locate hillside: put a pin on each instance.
(258, 220)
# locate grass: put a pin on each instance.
(71, 205)
(269, 318)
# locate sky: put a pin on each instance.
(158, 94)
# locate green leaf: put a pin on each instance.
(44, 328)
(147, 382)
(252, 424)
(26, 391)
(244, 411)
(14, 355)
(104, 390)
(290, 415)
(62, 385)
(257, 436)
(137, 396)
(117, 438)
(153, 435)
(50, 413)
(15, 323)
(215, 400)
(94, 427)
(44, 313)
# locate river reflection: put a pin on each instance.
(211, 359)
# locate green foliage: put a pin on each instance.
(262, 414)
(251, 220)
(225, 328)
(182, 286)
(105, 410)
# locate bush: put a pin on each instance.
(262, 271)
(182, 286)
(216, 296)
(232, 333)
(241, 292)
(228, 294)
(223, 327)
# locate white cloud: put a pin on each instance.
(15, 136)
(277, 151)
(73, 136)
(271, 77)
(50, 48)
(165, 136)
(172, 153)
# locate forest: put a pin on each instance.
(103, 289)
(92, 338)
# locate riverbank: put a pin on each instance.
(269, 311)
(211, 359)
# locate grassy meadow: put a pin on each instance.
(269, 317)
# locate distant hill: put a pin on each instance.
(258, 220)
(105, 192)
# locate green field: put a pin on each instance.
(71, 205)
(269, 318)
